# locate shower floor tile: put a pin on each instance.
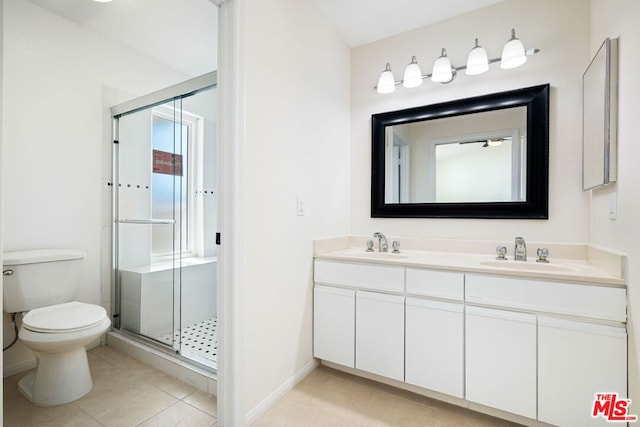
(198, 342)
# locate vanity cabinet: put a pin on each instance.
(434, 335)
(538, 348)
(576, 332)
(380, 334)
(501, 359)
(575, 361)
(334, 324)
(358, 317)
(434, 345)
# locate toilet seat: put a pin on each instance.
(64, 318)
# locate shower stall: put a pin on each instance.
(165, 208)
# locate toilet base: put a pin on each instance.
(59, 378)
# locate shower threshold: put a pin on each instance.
(193, 373)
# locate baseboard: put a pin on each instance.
(19, 367)
(253, 415)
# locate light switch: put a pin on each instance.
(300, 206)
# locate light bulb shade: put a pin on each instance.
(494, 142)
(442, 72)
(412, 74)
(513, 54)
(386, 82)
(477, 62)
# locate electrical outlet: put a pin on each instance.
(613, 206)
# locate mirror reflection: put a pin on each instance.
(480, 157)
(461, 159)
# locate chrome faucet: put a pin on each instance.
(382, 242)
(520, 250)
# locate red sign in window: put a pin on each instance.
(167, 163)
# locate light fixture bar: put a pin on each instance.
(528, 52)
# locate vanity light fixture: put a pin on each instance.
(478, 61)
(412, 74)
(513, 55)
(386, 82)
(442, 72)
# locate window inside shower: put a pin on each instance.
(173, 155)
(165, 208)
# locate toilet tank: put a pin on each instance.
(38, 278)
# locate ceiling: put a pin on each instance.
(360, 22)
(179, 33)
(176, 33)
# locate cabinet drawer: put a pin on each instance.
(367, 276)
(598, 302)
(438, 284)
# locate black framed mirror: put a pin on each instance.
(481, 157)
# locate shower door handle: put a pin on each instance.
(146, 221)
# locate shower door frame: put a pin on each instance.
(160, 97)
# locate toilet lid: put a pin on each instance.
(67, 317)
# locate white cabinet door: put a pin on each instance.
(501, 359)
(380, 334)
(576, 360)
(334, 324)
(434, 346)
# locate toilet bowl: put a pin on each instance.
(42, 283)
(57, 334)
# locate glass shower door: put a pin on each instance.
(152, 219)
(165, 253)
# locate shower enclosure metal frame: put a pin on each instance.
(172, 93)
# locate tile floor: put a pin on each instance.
(334, 399)
(129, 393)
(125, 393)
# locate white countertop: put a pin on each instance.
(583, 263)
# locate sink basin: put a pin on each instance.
(528, 265)
(379, 255)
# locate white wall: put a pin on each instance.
(561, 30)
(54, 72)
(619, 18)
(296, 143)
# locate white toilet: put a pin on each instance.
(56, 328)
